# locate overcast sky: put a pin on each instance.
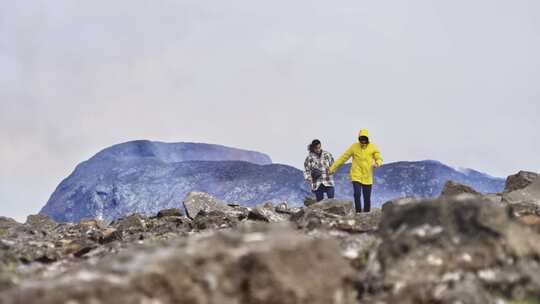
(456, 81)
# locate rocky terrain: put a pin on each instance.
(145, 177)
(461, 247)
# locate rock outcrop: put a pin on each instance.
(451, 250)
(251, 265)
(145, 177)
(525, 201)
(452, 188)
(472, 248)
(520, 180)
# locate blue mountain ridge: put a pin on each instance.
(146, 176)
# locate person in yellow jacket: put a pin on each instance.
(364, 155)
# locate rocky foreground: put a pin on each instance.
(463, 247)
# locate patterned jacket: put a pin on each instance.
(322, 163)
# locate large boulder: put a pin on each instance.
(131, 223)
(524, 201)
(333, 206)
(91, 224)
(360, 222)
(449, 250)
(520, 180)
(7, 223)
(40, 222)
(283, 207)
(324, 214)
(196, 202)
(169, 212)
(277, 265)
(452, 188)
(214, 219)
(266, 213)
(398, 202)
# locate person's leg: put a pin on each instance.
(319, 193)
(366, 190)
(330, 192)
(357, 187)
(323, 189)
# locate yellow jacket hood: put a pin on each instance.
(363, 158)
(363, 132)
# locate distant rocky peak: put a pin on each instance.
(178, 152)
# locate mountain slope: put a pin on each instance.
(145, 177)
(422, 179)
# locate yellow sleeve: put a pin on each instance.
(341, 160)
(377, 156)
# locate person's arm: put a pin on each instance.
(328, 161)
(341, 160)
(377, 156)
(307, 170)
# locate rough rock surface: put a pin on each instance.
(196, 202)
(450, 250)
(266, 213)
(336, 214)
(524, 201)
(520, 180)
(270, 265)
(452, 188)
(145, 177)
(454, 249)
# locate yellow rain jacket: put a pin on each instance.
(362, 160)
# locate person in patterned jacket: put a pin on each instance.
(316, 170)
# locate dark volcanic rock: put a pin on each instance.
(334, 206)
(214, 219)
(451, 249)
(398, 202)
(452, 188)
(524, 201)
(519, 180)
(274, 266)
(196, 202)
(132, 223)
(360, 222)
(110, 235)
(454, 249)
(524, 209)
(266, 213)
(7, 223)
(92, 224)
(282, 208)
(531, 194)
(169, 212)
(40, 222)
(308, 201)
(327, 214)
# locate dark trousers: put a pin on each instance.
(360, 189)
(319, 193)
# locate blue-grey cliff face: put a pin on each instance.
(145, 177)
(421, 179)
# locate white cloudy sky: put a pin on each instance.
(457, 81)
